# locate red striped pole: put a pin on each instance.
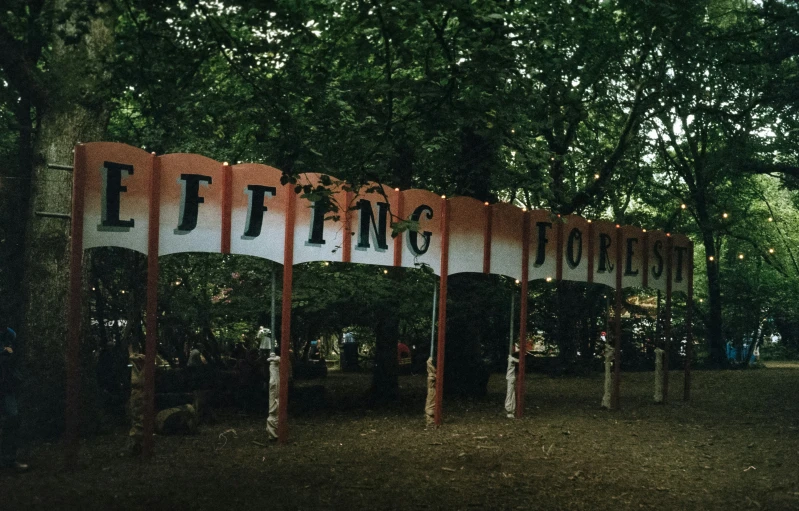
(689, 329)
(645, 257)
(590, 252)
(346, 245)
(559, 241)
(667, 320)
(523, 315)
(442, 310)
(614, 400)
(285, 316)
(487, 239)
(398, 239)
(227, 202)
(151, 337)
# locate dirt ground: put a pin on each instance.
(734, 446)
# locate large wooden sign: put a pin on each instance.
(207, 206)
(158, 205)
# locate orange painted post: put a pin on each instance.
(285, 316)
(689, 328)
(346, 246)
(442, 311)
(590, 252)
(151, 338)
(398, 239)
(615, 395)
(74, 309)
(227, 201)
(645, 257)
(523, 315)
(667, 320)
(559, 240)
(487, 240)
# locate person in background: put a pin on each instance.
(9, 412)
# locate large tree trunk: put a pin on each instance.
(76, 72)
(385, 381)
(715, 337)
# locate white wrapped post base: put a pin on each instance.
(430, 403)
(510, 394)
(608, 376)
(274, 385)
(659, 353)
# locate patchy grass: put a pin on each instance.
(734, 446)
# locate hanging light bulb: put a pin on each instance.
(740, 256)
(771, 251)
(725, 215)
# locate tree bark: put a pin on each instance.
(74, 111)
(385, 378)
(715, 336)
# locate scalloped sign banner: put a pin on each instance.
(207, 206)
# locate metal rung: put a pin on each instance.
(58, 166)
(53, 215)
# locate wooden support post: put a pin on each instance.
(590, 252)
(667, 320)
(74, 309)
(559, 251)
(689, 328)
(285, 316)
(442, 311)
(615, 400)
(400, 204)
(151, 338)
(523, 315)
(346, 244)
(227, 206)
(487, 239)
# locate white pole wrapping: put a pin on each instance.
(430, 402)
(659, 375)
(608, 375)
(274, 386)
(510, 373)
